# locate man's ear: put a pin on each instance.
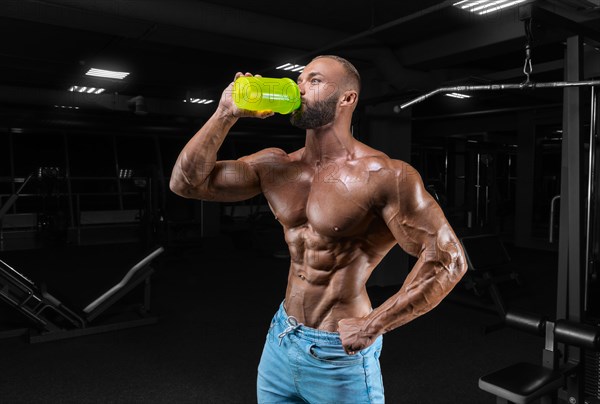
(349, 98)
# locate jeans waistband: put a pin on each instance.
(303, 331)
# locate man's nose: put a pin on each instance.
(302, 88)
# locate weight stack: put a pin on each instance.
(592, 375)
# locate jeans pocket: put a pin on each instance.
(334, 355)
(270, 332)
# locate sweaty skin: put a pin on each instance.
(342, 206)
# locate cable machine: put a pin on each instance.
(571, 364)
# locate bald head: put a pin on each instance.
(352, 77)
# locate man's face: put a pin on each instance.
(319, 90)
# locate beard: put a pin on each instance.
(314, 116)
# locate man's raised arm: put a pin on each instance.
(197, 173)
(421, 229)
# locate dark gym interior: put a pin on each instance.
(147, 296)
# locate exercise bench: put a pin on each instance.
(53, 320)
(523, 382)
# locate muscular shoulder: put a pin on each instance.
(270, 164)
(391, 181)
(398, 171)
(381, 167)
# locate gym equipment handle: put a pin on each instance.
(528, 322)
(581, 335)
(495, 87)
(568, 332)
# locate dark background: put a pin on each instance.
(98, 196)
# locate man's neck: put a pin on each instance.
(328, 143)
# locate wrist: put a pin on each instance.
(371, 327)
(226, 115)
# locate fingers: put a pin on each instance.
(240, 74)
(351, 350)
(247, 74)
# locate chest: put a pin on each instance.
(333, 199)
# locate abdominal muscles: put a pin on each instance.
(327, 277)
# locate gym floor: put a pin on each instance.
(215, 303)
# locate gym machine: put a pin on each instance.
(53, 320)
(571, 363)
(524, 382)
(570, 370)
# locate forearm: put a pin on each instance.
(427, 284)
(198, 158)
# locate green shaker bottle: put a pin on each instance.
(264, 93)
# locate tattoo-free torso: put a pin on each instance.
(330, 213)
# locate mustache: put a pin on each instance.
(318, 114)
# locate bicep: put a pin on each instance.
(413, 216)
(421, 229)
(222, 181)
(238, 180)
(232, 181)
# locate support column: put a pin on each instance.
(569, 293)
(569, 298)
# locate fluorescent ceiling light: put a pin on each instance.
(88, 90)
(66, 107)
(486, 6)
(125, 173)
(457, 95)
(108, 74)
(199, 101)
(292, 67)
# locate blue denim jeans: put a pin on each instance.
(304, 365)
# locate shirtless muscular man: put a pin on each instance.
(342, 205)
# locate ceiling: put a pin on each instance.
(177, 49)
